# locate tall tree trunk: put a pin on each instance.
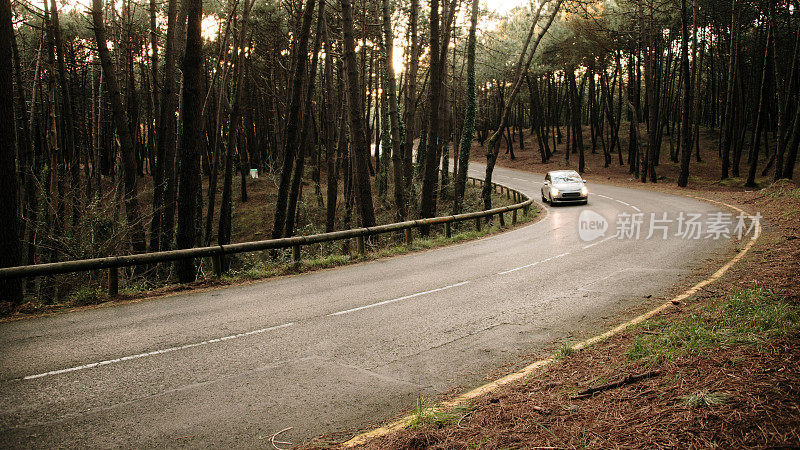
(575, 115)
(71, 155)
(410, 119)
(394, 115)
(468, 129)
(161, 226)
(729, 116)
(332, 150)
(234, 117)
(10, 290)
(762, 99)
(308, 119)
(686, 112)
(431, 162)
(293, 122)
(360, 149)
(187, 235)
(123, 132)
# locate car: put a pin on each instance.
(564, 186)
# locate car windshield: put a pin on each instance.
(566, 179)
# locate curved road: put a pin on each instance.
(336, 350)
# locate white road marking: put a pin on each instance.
(598, 242)
(156, 352)
(405, 297)
(532, 264)
(619, 201)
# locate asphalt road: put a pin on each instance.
(337, 350)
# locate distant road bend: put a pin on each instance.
(341, 349)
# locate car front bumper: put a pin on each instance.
(569, 197)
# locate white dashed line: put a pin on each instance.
(155, 352)
(604, 196)
(532, 264)
(637, 209)
(598, 242)
(620, 201)
(405, 297)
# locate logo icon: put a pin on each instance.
(591, 225)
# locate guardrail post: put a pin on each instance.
(216, 263)
(478, 223)
(447, 230)
(113, 282)
(525, 210)
(508, 192)
(514, 216)
(502, 220)
(409, 232)
(360, 244)
(296, 253)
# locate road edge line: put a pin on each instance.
(403, 422)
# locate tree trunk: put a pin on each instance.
(308, 118)
(686, 112)
(360, 149)
(410, 119)
(431, 161)
(187, 235)
(70, 149)
(575, 115)
(332, 151)
(234, 117)
(293, 120)
(729, 106)
(762, 99)
(123, 132)
(468, 130)
(394, 116)
(10, 290)
(163, 178)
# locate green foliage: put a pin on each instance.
(424, 414)
(749, 316)
(86, 295)
(564, 351)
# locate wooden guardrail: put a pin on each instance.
(113, 263)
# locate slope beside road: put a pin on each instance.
(337, 350)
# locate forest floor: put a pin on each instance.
(723, 367)
(252, 221)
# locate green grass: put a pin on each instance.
(424, 414)
(86, 295)
(749, 316)
(784, 189)
(564, 351)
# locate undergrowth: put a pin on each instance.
(749, 316)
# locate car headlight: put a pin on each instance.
(553, 191)
(584, 191)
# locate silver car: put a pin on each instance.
(564, 186)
